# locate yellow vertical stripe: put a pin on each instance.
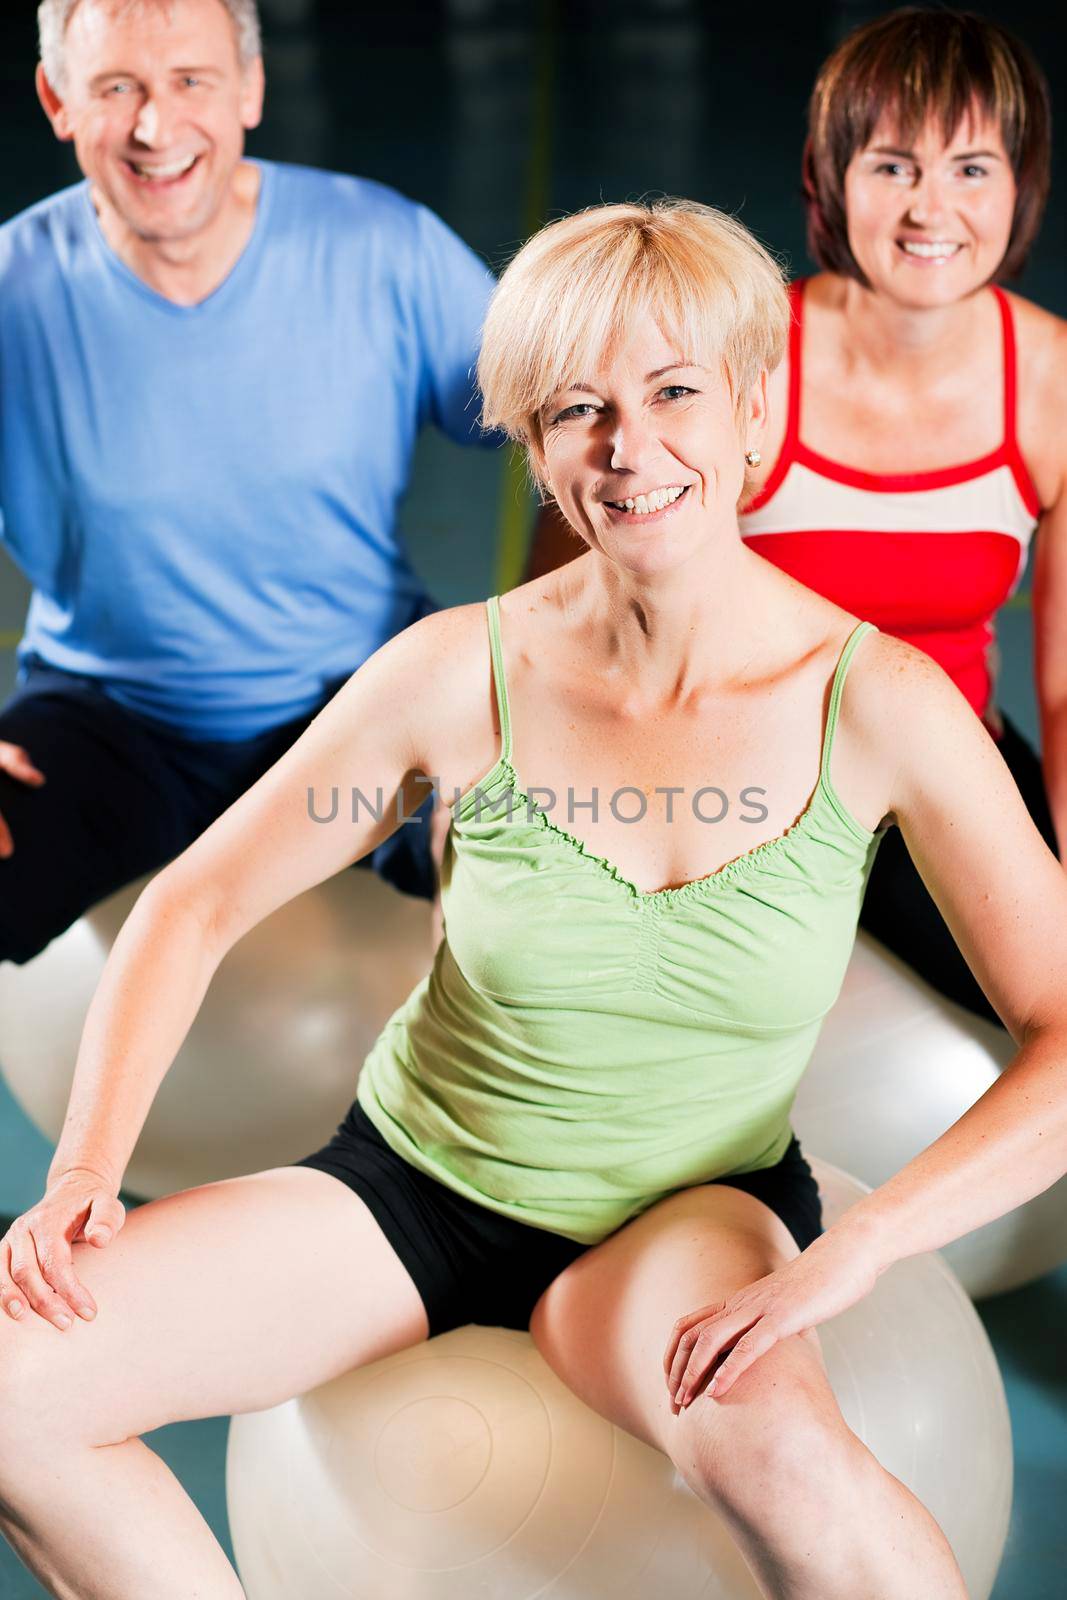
(513, 520)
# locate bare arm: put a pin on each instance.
(414, 701)
(261, 853)
(1004, 898)
(1050, 659)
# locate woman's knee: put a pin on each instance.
(777, 1442)
(38, 1388)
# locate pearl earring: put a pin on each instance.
(752, 458)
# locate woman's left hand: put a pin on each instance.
(722, 1341)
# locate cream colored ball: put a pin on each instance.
(464, 1467)
(895, 1065)
(270, 1065)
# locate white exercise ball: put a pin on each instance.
(895, 1065)
(269, 1067)
(465, 1467)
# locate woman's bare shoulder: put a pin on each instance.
(445, 642)
(906, 676)
(1033, 322)
(889, 677)
(1041, 336)
(441, 683)
(901, 716)
(1042, 344)
(453, 644)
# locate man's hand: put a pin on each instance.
(17, 764)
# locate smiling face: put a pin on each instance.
(646, 457)
(929, 221)
(156, 101)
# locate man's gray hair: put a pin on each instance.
(54, 15)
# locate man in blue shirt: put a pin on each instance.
(212, 375)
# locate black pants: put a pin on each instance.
(898, 911)
(124, 795)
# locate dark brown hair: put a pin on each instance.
(914, 64)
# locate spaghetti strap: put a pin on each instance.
(1010, 445)
(860, 631)
(796, 351)
(1007, 325)
(492, 606)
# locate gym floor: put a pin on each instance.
(499, 114)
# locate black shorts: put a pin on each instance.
(471, 1264)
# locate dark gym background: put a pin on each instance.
(499, 114)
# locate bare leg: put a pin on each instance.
(228, 1298)
(814, 1513)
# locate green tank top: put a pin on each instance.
(582, 1048)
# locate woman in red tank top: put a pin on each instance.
(919, 416)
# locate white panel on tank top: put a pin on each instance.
(807, 501)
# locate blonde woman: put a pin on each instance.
(580, 1121)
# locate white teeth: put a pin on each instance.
(654, 500)
(174, 170)
(929, 252)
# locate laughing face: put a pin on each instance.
(645, 458)
(929, 221)
(156, 101)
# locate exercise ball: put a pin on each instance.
(270, 1064)
(895, 1065)
(465, 1467)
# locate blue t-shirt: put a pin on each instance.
(205, 498)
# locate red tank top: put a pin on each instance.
(927, 556)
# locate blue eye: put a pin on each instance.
(573, 411)
(674, 391)
(973, 170)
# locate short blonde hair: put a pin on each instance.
(53, 17)
(581, 284)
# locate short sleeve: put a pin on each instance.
(452, 294)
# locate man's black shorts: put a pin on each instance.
(123, 796)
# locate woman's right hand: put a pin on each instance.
(36, 1260)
